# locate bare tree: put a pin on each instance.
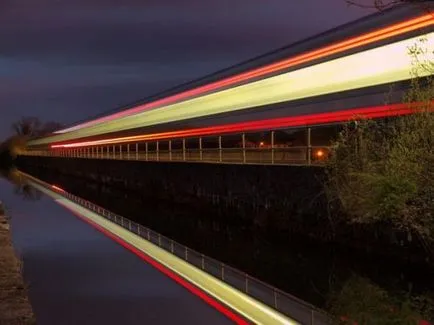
(32, 126)
(380, 4)
(27, 126)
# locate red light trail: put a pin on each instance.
(351, 43)
(268, 124)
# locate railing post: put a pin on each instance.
(223, 272)
(272, 147)
(183, 150)
(170, 150)
(129, 226)
(149, 234)
(220, 148)
(309, 147)
(114, 152)
(200, 149)
(128, 151)
(275, 299)
(146, 151)
(158, 151)
(120, 151)
(159, 240)
(186, 254)
(203, 262)
(243, 138)
(171, 247)
(137, 151)
(312, 317)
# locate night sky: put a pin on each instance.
(68, 60)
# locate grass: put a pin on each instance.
(15, 308)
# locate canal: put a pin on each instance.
(335, 278)
(76, 275)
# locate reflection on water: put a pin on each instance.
(22, 189)
(76, 275)
(359, 288)
(365, 302)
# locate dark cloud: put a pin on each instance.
(66, 60)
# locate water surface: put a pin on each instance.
(76, 275)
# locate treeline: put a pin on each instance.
(23, 130)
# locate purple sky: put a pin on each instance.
(67, 60)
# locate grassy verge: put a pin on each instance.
(15, 308)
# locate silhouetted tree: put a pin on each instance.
(32, 126)
(382, 4)
(27, 126)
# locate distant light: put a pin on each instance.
(57, 188)
(320, 153)
(261, 144)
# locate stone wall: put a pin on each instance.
(280, 197)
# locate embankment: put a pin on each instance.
(15, 308)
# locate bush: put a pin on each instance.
(383, 170)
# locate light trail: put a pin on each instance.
(297, 121)
(339, 47)
(364, 69)
(213, 291)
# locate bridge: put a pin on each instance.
(280, 108)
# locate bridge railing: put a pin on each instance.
(276, 156)
(303, 146)
(281, 301)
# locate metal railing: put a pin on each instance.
(265, 147)
(279, 300)
(276, 156)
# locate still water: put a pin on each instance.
(76, 275)
(343, 282)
